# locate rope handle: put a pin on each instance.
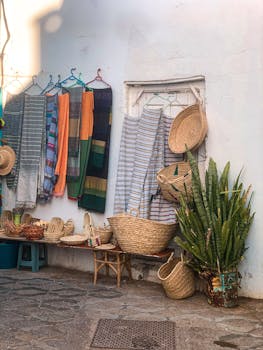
(170, 257)
(136, 210)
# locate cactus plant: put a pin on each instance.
(216, 222)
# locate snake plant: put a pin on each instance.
(216, 221)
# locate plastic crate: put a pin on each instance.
(8, 255)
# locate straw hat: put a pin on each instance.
(7, 159)
(188, 129)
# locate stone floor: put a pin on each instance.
(60, 309)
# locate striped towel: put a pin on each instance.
(161, 209)
(13, 116)
(144, 185)
(125, 164)
(31, 143)
(75, 97)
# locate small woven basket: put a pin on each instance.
(177, 278)
(104, 233)
(13, 230)
(55, 230)
(175, 181)
(68, 227)
(141, 236)
(33, 232)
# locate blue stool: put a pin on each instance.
(32, 254)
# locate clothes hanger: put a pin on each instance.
(11, 83)
(57, 86)
(33, 84)
(98, 78)
(49, 84)
(72, 77)
(77, 82)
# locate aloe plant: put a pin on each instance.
(216, 221)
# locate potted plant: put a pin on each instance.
(214, 223)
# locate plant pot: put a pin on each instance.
(223, 289)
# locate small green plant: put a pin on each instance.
(216, 221)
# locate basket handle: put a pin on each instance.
(162, 178)
(170, 257)
(136, 210)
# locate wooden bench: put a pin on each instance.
(114, 259)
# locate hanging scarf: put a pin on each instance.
(13, 115)
(75, 188)
(31, 144)
(51, 147)
(63, 130)
(75, 96)
(95, 187)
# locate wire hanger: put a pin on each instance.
(72, 77)
(33, 84)
(15, 80)
(49, 84)
(98, 78)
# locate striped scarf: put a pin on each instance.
(95, 187)
(51, 147)
(75, 96)
(13, 116)
(31, 143)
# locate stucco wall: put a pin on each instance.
(145, 39)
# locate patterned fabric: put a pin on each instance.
(63, 129)
(75, 96)
(31, 143)
(51, 147)
(95, 187)
(75, 188)
(13, 116)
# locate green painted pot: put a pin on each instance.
(223, 289)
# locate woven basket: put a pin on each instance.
(104, 233)
(55, 230)
(33, 232)
(175, 180)
(13, 230)
(141, 236)
(68, 227)
(188, 129)
(177, 278)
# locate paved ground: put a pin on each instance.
(60, 309)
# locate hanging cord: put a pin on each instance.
(6, 41)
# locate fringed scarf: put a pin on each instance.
(31, 145)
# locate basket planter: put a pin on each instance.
(177, 279)
(141, 236)
(175, 180)
(223, 289)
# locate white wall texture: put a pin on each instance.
(146, 40)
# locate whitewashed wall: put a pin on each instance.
(145, 39)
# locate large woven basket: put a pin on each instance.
(177, 278)
(55, 230)
(175, 180)
(141, 236)
(188, 129)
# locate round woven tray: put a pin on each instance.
(188, 129)
(141, 236)
(73, 240)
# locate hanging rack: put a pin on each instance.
(34, 83)
(98, 77)
(49, 84)
(169, 103)
(72, 77)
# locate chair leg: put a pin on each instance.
(35, 257)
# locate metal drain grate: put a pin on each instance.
(132, 334)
